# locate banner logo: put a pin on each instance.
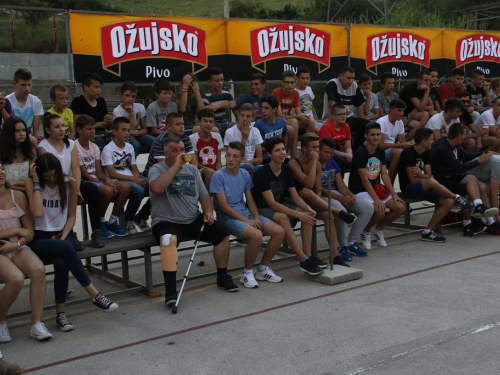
(477, 47)
(396, 46)
(126, 41)
(289, 40)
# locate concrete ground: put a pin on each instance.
(420, 308)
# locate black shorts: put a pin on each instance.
(213, 234)
(454, 185)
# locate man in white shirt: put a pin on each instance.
(392, 139)
(441, 122)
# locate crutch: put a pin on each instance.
(174, 309)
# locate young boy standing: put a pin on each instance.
(97, 187)
(156, 117)
(306, 95)
(136, 113)
(229, 185)
(119, 160)
(59, 98)
(24, 104)
(207, 146)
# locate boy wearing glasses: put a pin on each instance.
(338, 129)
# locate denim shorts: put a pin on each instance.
(236, 226)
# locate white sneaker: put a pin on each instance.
(268, 275)
(130, 227)
(366, 240)
(248, 280)
(379, 236)
(4, 333)
(40, 332)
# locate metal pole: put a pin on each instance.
(226, 9)
(328, 12)
(330, 221)
(72, 86)
(348, 27)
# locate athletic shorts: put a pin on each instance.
(236, 226)
(367, 197)
(269, 213)
(416, 191)
(213, 234)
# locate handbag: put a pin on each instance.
(381, 191)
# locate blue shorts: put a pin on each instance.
(416, 191)
(101, 182)
(236, 226)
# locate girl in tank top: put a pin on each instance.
(17, 260)
(17, 152)
(52, 199)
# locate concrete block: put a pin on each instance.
(339, 275)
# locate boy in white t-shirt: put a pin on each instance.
(97, 187)
(136, 113)
(306, 95)
(26, 105)
(119, 160)
(441, 122)
(392, 139)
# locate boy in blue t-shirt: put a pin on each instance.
(271, 126)
(229, 185)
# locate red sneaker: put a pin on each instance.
(493, 229)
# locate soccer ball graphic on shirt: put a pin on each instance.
(207, 155)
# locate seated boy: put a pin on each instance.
(156, 115)
(271, 182)
(248, 135)
(342, 198)
(119, 160)
(371, 106)
(393, 139)
(136, 113)
(59, 98)
(416, 182)
(229, 185)
(207, 146)
(97, 188)
(368, 171)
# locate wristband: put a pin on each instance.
(40, 190)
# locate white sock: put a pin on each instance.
(245, 270)
(490, 220)
(467, 222)
(426, 231)
(262, 268)
(477, 201)
(103, 219)
(112, 219)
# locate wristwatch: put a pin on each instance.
(18, 245)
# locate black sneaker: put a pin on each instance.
(482, 211)
(226, 282)
(338, 261)
(318, 262)
(78, 245)
(462, 202)
(142, 224)
(97, 238)
(347, 218)
(104, 303)
(63, 323)
(474, 228)
(431, 236)
(310, 267)
(170, 298)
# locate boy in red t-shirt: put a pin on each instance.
(207, 145)
(340, 131)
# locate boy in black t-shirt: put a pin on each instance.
(416, 182)
(91, 103)
(419, 105)
(368, 170)
(271, 183)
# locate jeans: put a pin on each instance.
(137, 193)
(64, 258)
(142, 140)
